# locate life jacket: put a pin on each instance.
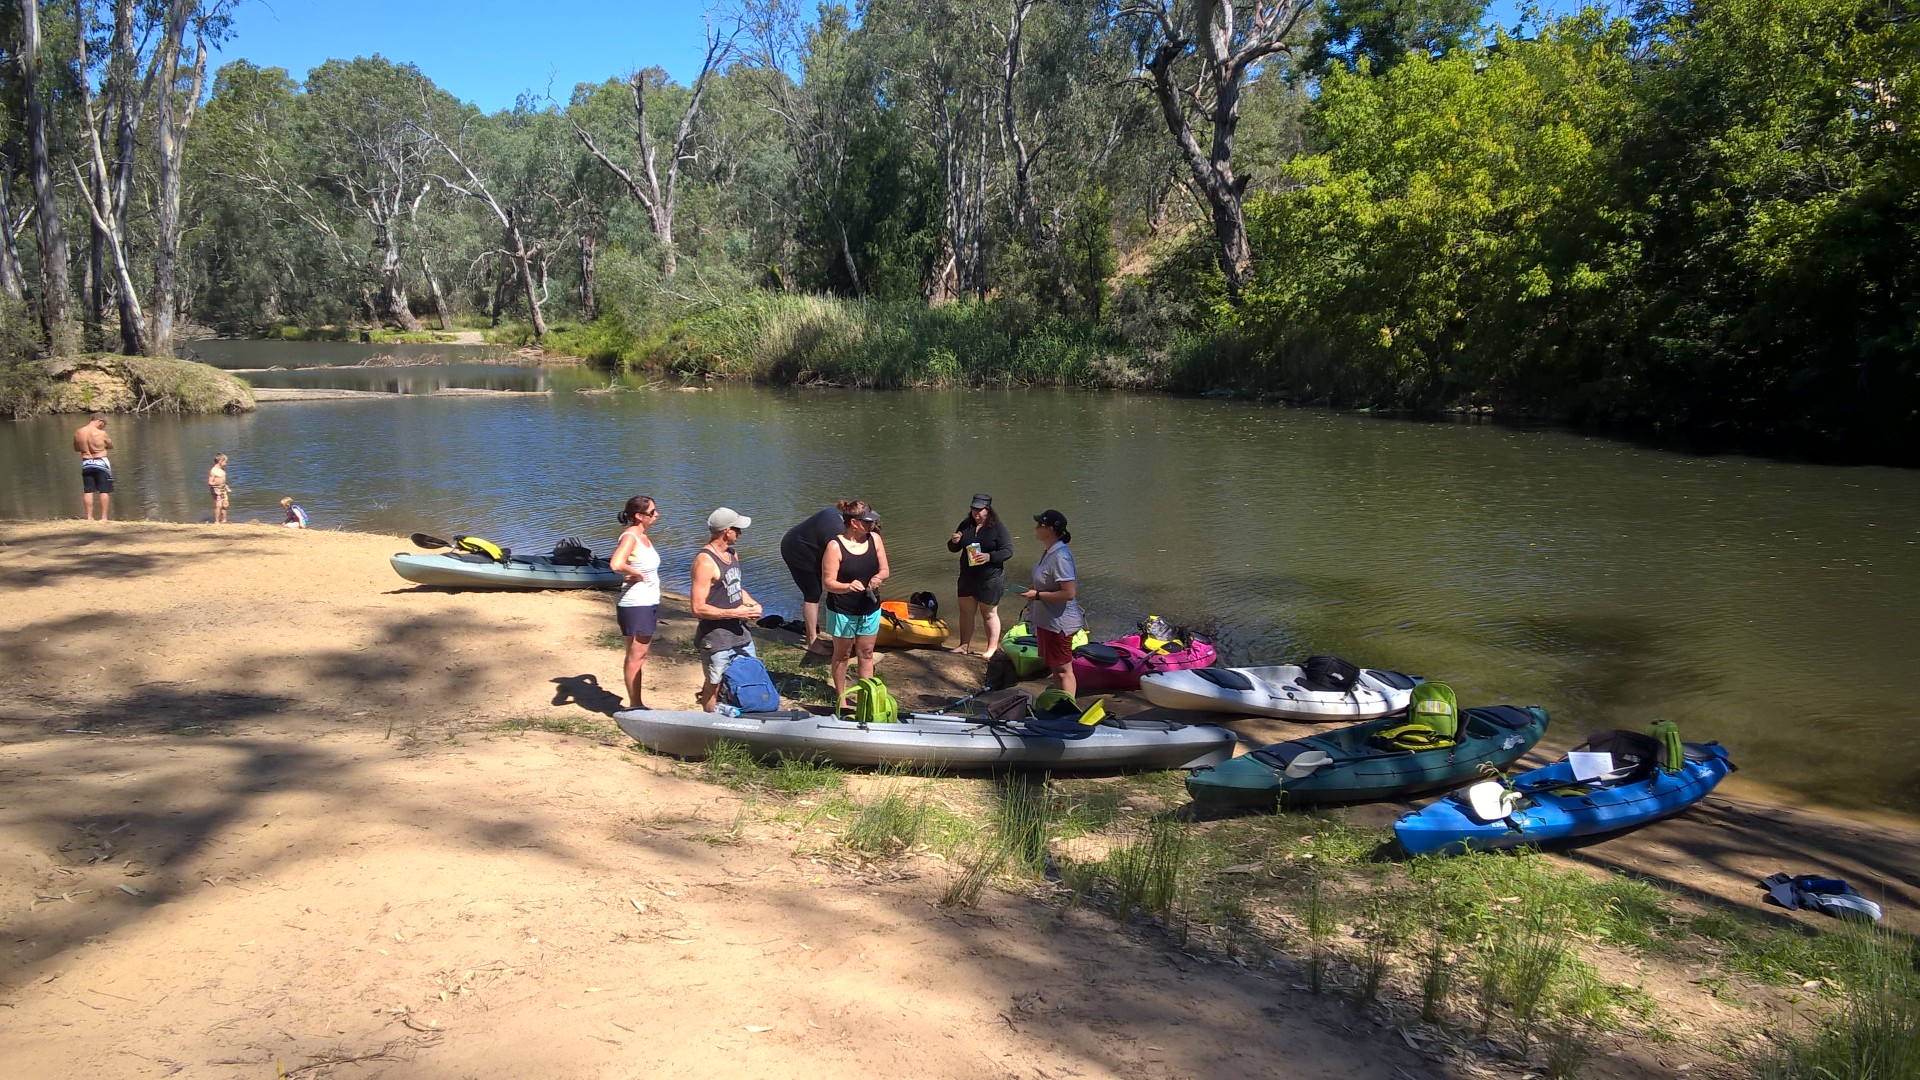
(1433, 721)
(868, 701)
(480, 546)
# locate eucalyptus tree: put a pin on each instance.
(1380, 32)
(55, 298)
(363, 143)
(1196, 57)
(517, 167)
(643, 181)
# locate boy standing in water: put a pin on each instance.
(217, 485)
(92, 442)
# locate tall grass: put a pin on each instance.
(1875, 1035)
(734, 765)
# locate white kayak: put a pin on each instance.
(468, 570)
(1284, 691)
(935, 740)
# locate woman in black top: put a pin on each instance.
(851, 572)
(802, 549)
(984, 546)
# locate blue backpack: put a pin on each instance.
(748, 686)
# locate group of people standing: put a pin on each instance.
(838, 560)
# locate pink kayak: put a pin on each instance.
(1118, 664)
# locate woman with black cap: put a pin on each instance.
(1051, 608)
(984, 546)
(850, 573)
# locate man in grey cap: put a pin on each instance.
(720, 601)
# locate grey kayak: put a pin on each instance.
(1284, 691)
(466, 570)
(934, 740)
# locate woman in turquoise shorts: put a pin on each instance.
(851, 571)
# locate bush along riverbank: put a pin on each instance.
(119, 384)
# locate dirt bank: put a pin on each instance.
(265, 808)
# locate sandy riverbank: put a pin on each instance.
(266, 807)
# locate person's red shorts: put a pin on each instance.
(1055, 649)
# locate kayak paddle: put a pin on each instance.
(425, 541)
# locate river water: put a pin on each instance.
(1772, 606)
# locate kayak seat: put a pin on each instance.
(471, 556)
(1099, 654)
(1280, 755)
(1318, 687)
(1391, 678)
(1507, 716)
(1226, 678)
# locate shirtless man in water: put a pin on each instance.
(92, 442)
(217, 485)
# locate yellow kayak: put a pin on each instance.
(900, 630)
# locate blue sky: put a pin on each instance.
(488, 52)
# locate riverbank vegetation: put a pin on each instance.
(1690, 217)
(1518, 955)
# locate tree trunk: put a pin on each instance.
(521, 263)
(12, 280)
(589, 260)
(175, 117)
(56, 298)
(439, 299)
(393, 304)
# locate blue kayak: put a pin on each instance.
(1549, 804)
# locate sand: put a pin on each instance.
(266, 809)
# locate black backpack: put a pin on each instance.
(1326, 672)
(571, 552)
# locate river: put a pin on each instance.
(1772, 606)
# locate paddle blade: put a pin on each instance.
(425, 541)
(1094, 712)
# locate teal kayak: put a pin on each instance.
(1357, 764)
(470, 570)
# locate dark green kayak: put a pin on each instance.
(1351, 765)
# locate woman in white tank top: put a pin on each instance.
(636, 560)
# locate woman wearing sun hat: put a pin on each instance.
(984, 546)
(1052, 609)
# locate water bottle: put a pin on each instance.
(728, 710)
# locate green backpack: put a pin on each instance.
(868, 701)
(1672, 754)
(1433, 720)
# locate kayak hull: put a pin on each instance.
(1358, 770)
(932, 740)
(1449, 827)
(1023, 648)
(900, 630)
(1280, 691)
(1124, 672)
(463, 571)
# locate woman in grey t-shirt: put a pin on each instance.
(1052, 611)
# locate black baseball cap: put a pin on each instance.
(1053, 519)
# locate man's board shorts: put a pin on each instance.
(851, 626)
(96, 476)
(716, 663)
(986, 586)
(1056, 649)
(639, 620)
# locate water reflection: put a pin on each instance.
(1768, 605)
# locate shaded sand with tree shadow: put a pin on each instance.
(267, 809)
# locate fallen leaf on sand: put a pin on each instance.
(756, 1028)
(130, 890)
